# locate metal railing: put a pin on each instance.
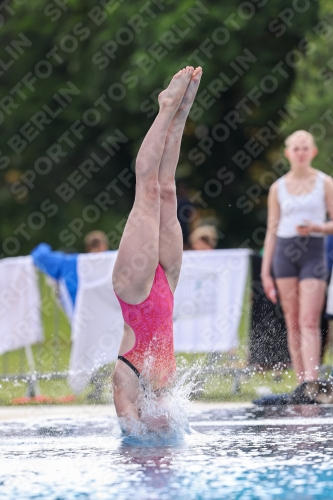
(25, 364)
(29, 368)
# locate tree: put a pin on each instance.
(313, 88)
(79, 93)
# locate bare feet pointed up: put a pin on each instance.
(190, 93)
(172, 96)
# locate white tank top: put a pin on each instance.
(294, 210)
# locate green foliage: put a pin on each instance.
(314, 89)
(125, 56)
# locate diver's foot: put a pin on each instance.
(190, 92)
(172, 96)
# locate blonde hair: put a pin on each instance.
(299, 133)
(205, 233)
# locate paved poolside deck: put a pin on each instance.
(8, 413)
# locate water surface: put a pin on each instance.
(228, 454)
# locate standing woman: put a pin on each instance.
(294, 259)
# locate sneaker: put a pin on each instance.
(320, 390)
(272, 400)
(307, 393)
(304, 394)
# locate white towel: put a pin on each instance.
(208, 306)
(209, 299)
(20, 318)
(97, 324)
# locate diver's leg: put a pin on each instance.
(170, 237)
(138, 253)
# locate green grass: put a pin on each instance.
(50, 356)
(53, 356)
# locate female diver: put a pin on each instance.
(149, 259)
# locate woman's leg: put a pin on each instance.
(138, 253)
(289, 297)
(171, 240)
(311, 300)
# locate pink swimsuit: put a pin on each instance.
(152, 356)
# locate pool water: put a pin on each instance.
(229, 453)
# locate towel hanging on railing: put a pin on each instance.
(20, 304)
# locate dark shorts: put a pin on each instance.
(301, 257)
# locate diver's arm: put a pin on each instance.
(125, 396)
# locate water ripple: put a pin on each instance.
(228, 454)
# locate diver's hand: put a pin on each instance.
(156, 423)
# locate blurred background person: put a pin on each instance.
(203, 238)
(186, 211)
(96, 241)
(294, 261)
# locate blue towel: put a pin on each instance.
(63, 268)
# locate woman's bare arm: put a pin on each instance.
(327, 227)
(273, 217)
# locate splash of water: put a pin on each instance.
(163, 417)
